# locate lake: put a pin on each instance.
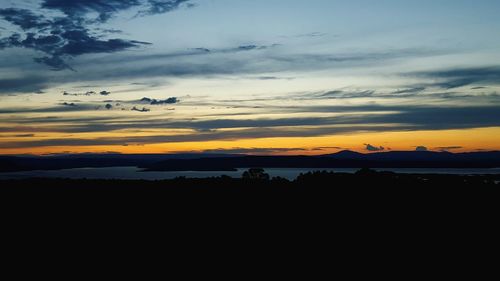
(134, 173)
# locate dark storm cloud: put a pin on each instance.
(60, 38)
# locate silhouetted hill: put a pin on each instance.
(344, 159)
(68, 161)
(346, 154)
(393, 155)
(230, 162)
(423, 158)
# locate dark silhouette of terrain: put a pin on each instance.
(344, 159)
(229, 162)
(324, 198)
(257, 180)
(69, 161)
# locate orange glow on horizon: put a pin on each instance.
(467, 140)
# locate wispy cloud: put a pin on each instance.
(405, 119)
(254, 150)
(25, 84)
(460, 77)
(373, 148)
(448, 148)
(172, 100)
(421, 148)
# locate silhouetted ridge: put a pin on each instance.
(345, 159)
(346, 154)
(230, 162)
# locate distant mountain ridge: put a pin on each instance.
(415, 155)
(345, 154)
(343, 159)
(229, 162)
(92, 160)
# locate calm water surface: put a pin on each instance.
(134, 173)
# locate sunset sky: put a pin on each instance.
(249, 76)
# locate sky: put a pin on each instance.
(239, 76)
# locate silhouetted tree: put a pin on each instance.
(366, 172)
(256, 174)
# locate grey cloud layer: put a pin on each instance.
(460, 77)
(373, 148)
(26, 84)
(376, 120)
(240, 60)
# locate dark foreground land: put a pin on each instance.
(358, 204)
(322, 196)
(259, 182)
(325, 218)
